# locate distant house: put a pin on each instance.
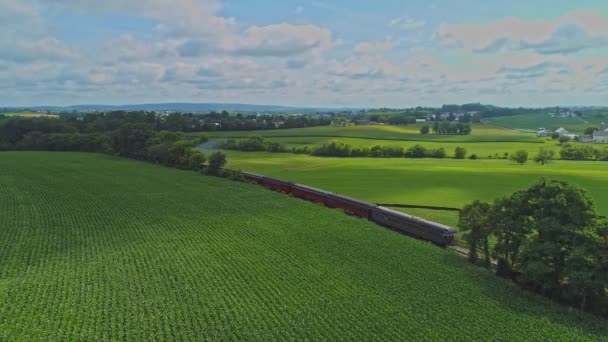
(421, 120)
(364, 122)
(600, 136)
(542, 132)
(561, 131)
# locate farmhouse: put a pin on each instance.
(561, 131)
(600, 136)
(542, 132)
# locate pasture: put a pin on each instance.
(431, 182)
(531, 122)
(101, 248)
(485, 141)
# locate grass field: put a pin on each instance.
(31, 115)
(100, 248)
(484, 142)
(532, 122)
(433, 182)
(481, 133)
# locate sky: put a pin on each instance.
(304, 53)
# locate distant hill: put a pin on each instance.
(192, 107)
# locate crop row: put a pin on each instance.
(97, 248)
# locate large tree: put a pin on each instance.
(544, 156)
(520, 157)
(559, 213)
(473, 222)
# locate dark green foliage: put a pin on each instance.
(549, 235)
(559, 213)
(590, 130)
(425, 130)
(451, 128)
(460, 153)
(252, 144)
(580, 152)
(564, 139)
(473, 156)
(544, 156)
(217, 160)
(473, 222)
(520, 157)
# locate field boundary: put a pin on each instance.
(337, 137)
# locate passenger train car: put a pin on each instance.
(439, 234)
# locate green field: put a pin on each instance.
(532, 122)
(101, 248)
(481, 133)
(484, 142)
(431, 182)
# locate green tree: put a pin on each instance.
(473, 221)
(510, 224)
(590, 130)
(216, 162)
(587, 265)
(559, 214)
(196, 161)
(564, 139)
(544, 156)
(179, 153)
(425, 130)
(520, 157)
(460, 153)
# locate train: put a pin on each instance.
(417, 227)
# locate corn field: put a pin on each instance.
(94, 247)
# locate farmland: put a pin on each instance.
(485, 140)
(532, 122)
(431, 182)
(100, 248)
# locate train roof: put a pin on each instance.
(354, 200)
(445, 228)
(313, 189)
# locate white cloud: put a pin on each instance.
(407, 23)
(375, 48)
(570, 33)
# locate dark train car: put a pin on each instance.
(310, 194)
(350, 205)
(440, 234)
(269, 182)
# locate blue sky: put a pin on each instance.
(304, 53)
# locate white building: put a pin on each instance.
(543, 132)
(600, 136)
(561, 131)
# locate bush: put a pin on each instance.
(473, 156)
(416, 151)
(577, 152)
(564, 139)
(460, 153)
(520, 157)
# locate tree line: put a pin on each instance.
(129, 135)
(548, 238)
(337, 148)
(447, 128)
